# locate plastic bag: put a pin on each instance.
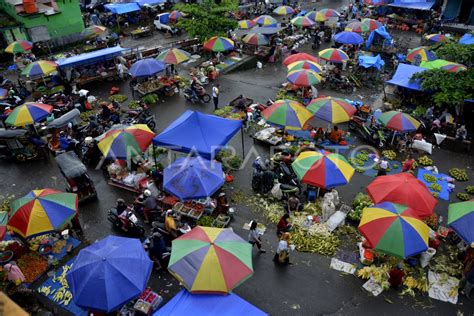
(276, 191)
(336, 220)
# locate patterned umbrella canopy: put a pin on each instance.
(42, 211)
(436, 38)
(19, 47)
(3, 94)
(305, 64)
(357, 27)
(284, 10)
(421, 53)
(443, 64)
(371, 24)
(374, 2)
(316, 16)
(3, 223)
(123, 142)
(28, 113)
(265, 20)
(302, 21)
(333, 55)
(394, 229)
(288, 114)
(329, 13)
(303, 77)
(347, 37)
(175, 15)
(146, 67)
(246, 24)
(174, 56)
(332, 110)
(322, 169)
(39, 68)
(211, 260)
(218, 44)
(461, 219)
(299, 57)
(399, 121)
(256, 39)
(93, 30)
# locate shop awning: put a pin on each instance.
(413, 4)
(185, 303)
(142, 3)
(370, 61)
(403, 74)
(122, 8)
(90, 58)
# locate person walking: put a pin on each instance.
(282, 255)
(215, 96)
(254, 237)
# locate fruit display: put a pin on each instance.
(470, 189)
(463, 196)
(360, 202)
(458, 174)
(420, 284)
(435, 187)
(429, 178)
(322, 244)
(32, 265)
(432, 221)
(205, 221)
(360, 170)
(118, 98)
(425, 161)
(389, 154)
(363, 155)
(151, 98)
(134, 104)
(355, 162)
(435, 194)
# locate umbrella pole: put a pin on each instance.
(242, 137)
(154, 155)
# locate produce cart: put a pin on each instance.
(142, 32)
(162, 85)
(193, 210)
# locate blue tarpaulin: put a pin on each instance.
(195, 132)
(122, 8)
(413, 4)
(380, 32)
(369, 61)
(185, 303)
(90, 58)
(467, 39)
(142, 3)
(441, 179)
(403, 74)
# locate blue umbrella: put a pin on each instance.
(146, 67)
(193, 178)
(348, 38)
(109, 273)
(466, 39)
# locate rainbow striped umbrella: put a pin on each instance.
(28, 113)
(3, 94)
(436, 38)
(218, 44)
(42, 211)
(322, 169)
(39, 68)
(93, 31)
(371, 24)
(333, 55)
(357, 27)
(284, 10)
(3, 224)
(461, 219)
(329, 13)
(394, 229)
(124, 142)
(246, 24)
(305, 64)
(265, 20)
(288, 114)
(255, 39)
(421, 53)
(443, 64)
(453, 67)
(332, 110)
(302, 21)
(299, 57)
(174, 56)
(399, 121)
(374, 2)
(175, 15)
(19, 47)
(211, 260)
(311, 15)
(303, 77)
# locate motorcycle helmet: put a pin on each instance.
(120, 201)
(147, 193)
(88, 140)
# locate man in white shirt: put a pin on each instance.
(215, 96)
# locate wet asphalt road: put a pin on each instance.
(308, 287)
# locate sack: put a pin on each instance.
(276, 191)
(283, 256)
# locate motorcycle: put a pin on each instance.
(164, 259)
(135, 227)
(262, 176)
(287, 179)
(183, 228)
(200, 97)
(371, 134)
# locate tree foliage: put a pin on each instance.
(461, 54)
(448, 89)
(207, 19)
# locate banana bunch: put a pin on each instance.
(458, 174)
(323, 245)
(379, 274)
(470, 189)
(435, 194)
(359, 170)
(425, 161)
(429, 178)
(416, 284)
(463, 196)
(363, 156)
(435, 187)
(389, 154)
(408, 291)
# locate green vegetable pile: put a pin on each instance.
(363, 155)
(470, 189)
(429, 178)
(425, 161)
(435, 187)
(389, 154)
(134, 104)
(458, 174)
(356, 162)
(205, 221)
(151, 98)
(229, 160)
(360, 170)
(463, 196)
(118, 98)
(360, 202)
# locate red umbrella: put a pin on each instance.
(298, 57)
(405, 189)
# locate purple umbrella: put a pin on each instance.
(146, 67)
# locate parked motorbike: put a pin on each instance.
(262, 177)
(134, 225)
(371, 134)
(200, 97)
(156, 237)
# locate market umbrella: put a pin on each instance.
(316, 16)
(218, 44)
(39, 68)
(403, 188)
(192, 178)
(399, 121)
(357, 27)
(299, 57)
(305, 64)
(443, 64)
(371, 24)
(329, 13)
(332, 110)
(42, 211)
(19, 47)
(394, 229)
(461, 219)
(28, 113)
(302, 21)
(422, 53)
(146, 67)
(255, 39)
(173, 56)
(211, 260)
(124, 142)
(283, 10)
(246, 24)
(333, 55)
(3, 94)
(265, 20)
(454, 67)
(436, 38)
(3, 224)
(347, 37)
(287, 114)
(374, 2)
(109, 273)
(303, 77)
(93, 30)
(175, 15)
(322, 169)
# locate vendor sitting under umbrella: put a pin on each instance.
(336, 135)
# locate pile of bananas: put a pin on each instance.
(379, 274)
(429, 178)
(470, 189)
(425, 161)
(458, 174)
(435, 187)
(360, 170)
(313, 208)
(435, 194)
(463, 196)
(364, 156)
(389, 154)
(420, 284)
(317, 243)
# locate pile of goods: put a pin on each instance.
(229, 160)
(429, 178)
(470, 189)
(360, 202)
(315, 240)
(463, 196)
(205, 221)
(227, 112)
(458, 174)
(425, 161)
(154, 85)
(151, 98)
(389, 154)
(32, 265)
(432, 221)
(435, 187)
(118, 98)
